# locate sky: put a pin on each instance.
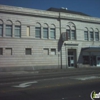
(90, 7)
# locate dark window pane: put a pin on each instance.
(1, 29)
(45, 33)
(73, 35)
(9, 30)
(85, 35)
(86, 60)
(17, 31)
(28, 51)
(97, 36)
(68, 32)
(52, 33)
(91, 36)
(37, 32)
(1, 51)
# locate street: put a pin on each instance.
(77, 87)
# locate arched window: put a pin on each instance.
(71, 31)
(86, 34)
(8, 31)
(68, 32)
(96, 34)
(38, 30)
(91, 34)
(45, 31)
(17, 31)
(1, 28)
(52, 31)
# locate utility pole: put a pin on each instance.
(60, 36)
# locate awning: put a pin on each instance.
(94, 48)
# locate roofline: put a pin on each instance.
(43, 13)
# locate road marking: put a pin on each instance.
(87, 78)
(26, 84)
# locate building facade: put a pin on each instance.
(33, 39)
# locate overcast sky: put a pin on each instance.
(90, 7)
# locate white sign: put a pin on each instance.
(26, 84)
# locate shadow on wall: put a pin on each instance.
(80, 61)
(60, 43)
(63, 37)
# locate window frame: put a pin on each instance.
(47, 51)
(73, 32)
(69, 35)
(54, 51)
(96, 36)
(38, 29)
(91, 35)
(1, 30)
(52, 30)
(29, 52)
(8, 49)
(45, 33)
(1, 49)
(86, 35)
(17, 28)
(8, 28)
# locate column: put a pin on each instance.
(66, 52)
(4, 28)
(48, 32)
(13, 30)
(41, 32)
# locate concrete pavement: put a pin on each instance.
(68, 71)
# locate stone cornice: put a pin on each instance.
(43, 13)
(80, 17)
(27, 11)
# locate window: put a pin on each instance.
(53, 51)
(45, 33)
(68, 33)
(28, 51)
(96, 36)
(1, 51)
(52, 33)
(73, 34)
(8, 51)
(46, 51)
(70, 53)
(91, 36)
(1, 29)
(38, 32)
(28, 31)
(86, 60)
(17, 31)
(9, 30)
(85, 35)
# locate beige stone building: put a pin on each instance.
(33, 39)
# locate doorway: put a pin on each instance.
(71, 58)
(98, 61)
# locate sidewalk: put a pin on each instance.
(51, 71)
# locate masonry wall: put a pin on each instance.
(37, 60)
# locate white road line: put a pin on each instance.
(86, 78)
(26, 84)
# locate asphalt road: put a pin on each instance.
(59, 88)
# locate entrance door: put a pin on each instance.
(71, 58)
(71, 61)
(98, 61)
